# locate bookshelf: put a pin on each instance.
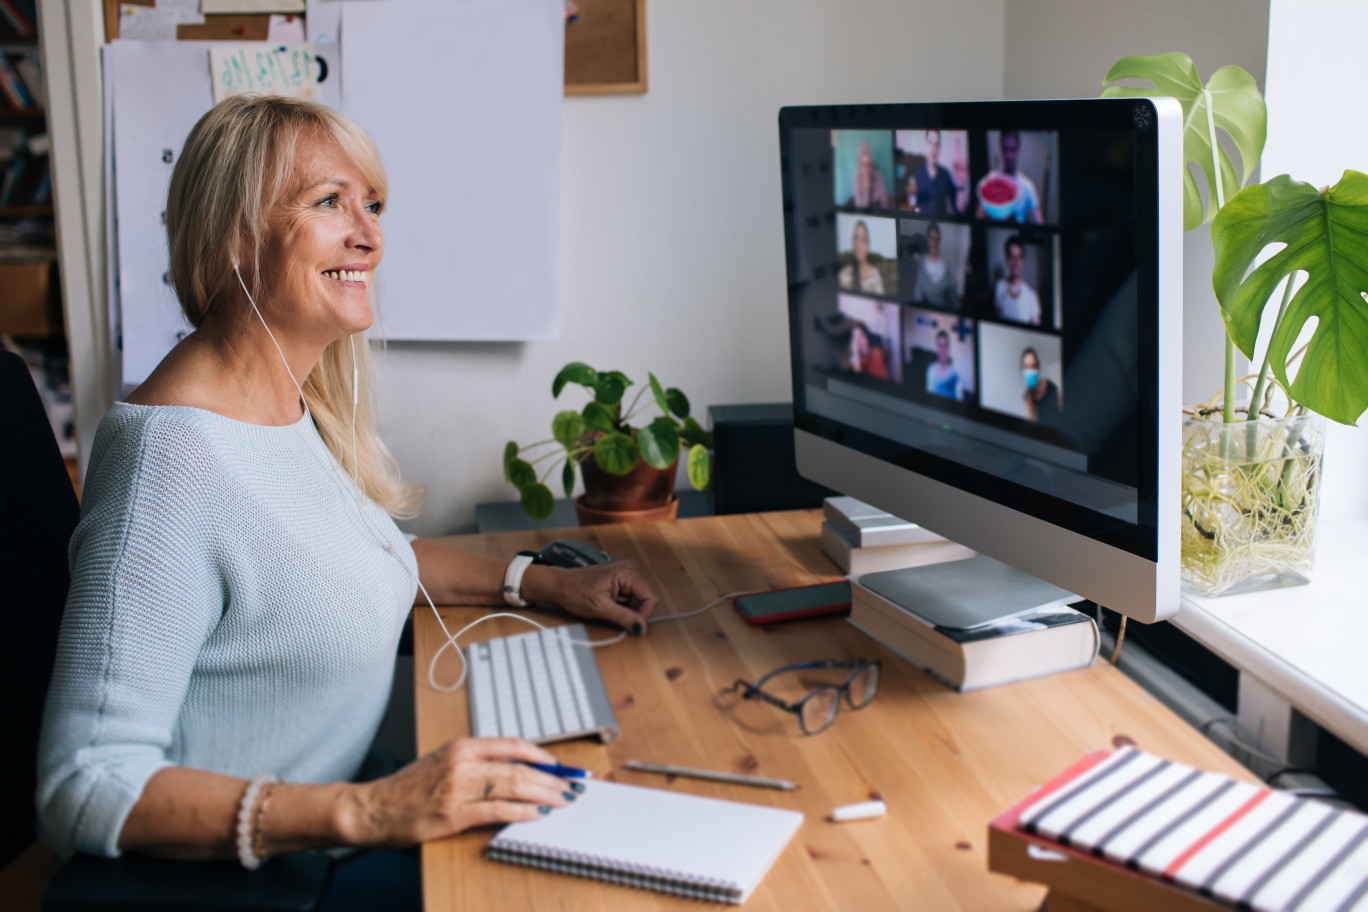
(31, 321)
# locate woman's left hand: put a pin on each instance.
(615, 592)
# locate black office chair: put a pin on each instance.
(40, 514)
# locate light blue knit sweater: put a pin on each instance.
(229, 611)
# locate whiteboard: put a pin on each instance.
(463, 98)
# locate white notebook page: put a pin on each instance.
(670, 832)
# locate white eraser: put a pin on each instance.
(862, 811)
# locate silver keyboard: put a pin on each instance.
(539, 686)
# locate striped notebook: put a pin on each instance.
(1236, 842)
(673, 842)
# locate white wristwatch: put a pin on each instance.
(512, 587)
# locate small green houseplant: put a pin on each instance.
(1251, 471)
(607, 440)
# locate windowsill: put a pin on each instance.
(1303, 642)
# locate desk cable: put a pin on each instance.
(451, 638)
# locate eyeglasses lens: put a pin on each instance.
(819, 709)
(864, 684)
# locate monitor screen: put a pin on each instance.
(975, 300)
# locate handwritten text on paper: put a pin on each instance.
(285, 69)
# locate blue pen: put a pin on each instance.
(555, 769)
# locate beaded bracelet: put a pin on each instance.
(249, 860)
(258, 838)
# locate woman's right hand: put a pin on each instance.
(465, 783)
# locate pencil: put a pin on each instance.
(737, 778)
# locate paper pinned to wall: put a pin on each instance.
(253, 6)
(146, 23)
(188, 11)
(157, 22)
(286, 69)
(286, 30)
(464, 101)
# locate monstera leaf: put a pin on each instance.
(1236, 107)
(1326, 233)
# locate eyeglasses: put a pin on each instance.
(817, 710)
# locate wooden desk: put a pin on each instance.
(944, 762)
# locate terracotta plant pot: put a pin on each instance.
(588, 516)
(643, 494)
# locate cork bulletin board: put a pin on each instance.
(605, 49)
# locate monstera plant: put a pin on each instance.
(1251, 469)
(608, 440)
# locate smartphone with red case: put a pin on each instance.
(798, 602)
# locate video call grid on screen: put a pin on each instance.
(1015, 265)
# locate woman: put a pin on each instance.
(861, 274)
(935, 283)
(865, 357)
(1041, 395)
(238, 584)
(868, 188)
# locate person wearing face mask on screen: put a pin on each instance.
(238, 583)
(1041, 395)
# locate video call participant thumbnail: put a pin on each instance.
(1022, 278)
(940, 254)
(864, 168)
(1011, 191)
(867, 255)
(868, 330)
(940, 352)
(1041, 395)
(930, 179)
(1021, 372)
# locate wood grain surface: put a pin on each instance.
(944, 762)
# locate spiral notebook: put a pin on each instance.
(701, 848)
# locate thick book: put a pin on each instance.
(29, 68)
(966, 593)
(11, 88)
(854, 559)
(869, 526)
(19, 19)
(673, 842)
(1043, 641)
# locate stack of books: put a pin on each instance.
(865, 539)
(25, 178)
(21, 77)
(974, 623)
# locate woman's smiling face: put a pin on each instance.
(323, 243)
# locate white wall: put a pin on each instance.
(1063, 49)
(672, 234)
(1317, 129)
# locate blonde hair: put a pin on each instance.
(236, 163)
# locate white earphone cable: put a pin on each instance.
(389, 546)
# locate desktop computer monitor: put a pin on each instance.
(985, 302)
